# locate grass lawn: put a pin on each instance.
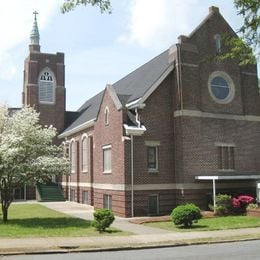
(32, 220)
(218, 223)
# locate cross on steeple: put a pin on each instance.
(35, 14)
(35, 36)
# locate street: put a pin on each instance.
(237, 250)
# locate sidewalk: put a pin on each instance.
(151, 237)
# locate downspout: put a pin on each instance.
(133, 131)
(69, 188)
(132, 175)
(137, 118)
(24, 191)
(179, 77)
(132, 163)
(179, 86)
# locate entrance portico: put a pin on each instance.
(216, 178)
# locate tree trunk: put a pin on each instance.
(5, 214)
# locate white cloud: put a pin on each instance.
(156, 24)
(16, 20)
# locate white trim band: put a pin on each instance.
(77, 128)
(197, 113)
(156, 187)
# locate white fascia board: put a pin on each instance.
(135, 131)
(227, 177)
(133, 104)
(77, 128)
(206, 178)
(114, 96)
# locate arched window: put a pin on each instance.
(73, 156)
(218, 43)
(46, 87)
(84, 152)
(106, 116)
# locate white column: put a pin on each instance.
(214, 193)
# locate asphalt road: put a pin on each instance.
(238, 250)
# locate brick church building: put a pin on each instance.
(180, 128)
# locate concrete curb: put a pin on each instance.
(165, 244)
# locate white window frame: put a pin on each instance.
(48, 70)
(73, 155)
(154, 169)
(155, 145)
(84, 154)
(104, 149)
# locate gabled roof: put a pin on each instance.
(128, 89)
(87, 112)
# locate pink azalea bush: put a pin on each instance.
(226, 205)
(240, 203)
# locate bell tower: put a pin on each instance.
(44, 82)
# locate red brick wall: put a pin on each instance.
(157, 116)
(79, 176)
(50, 114)
(109, 135)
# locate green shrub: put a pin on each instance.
(223, 205)
(103, 218)
(185, 215)
(252, 206)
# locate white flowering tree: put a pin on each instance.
(27, 153)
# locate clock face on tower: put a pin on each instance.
(46, 87)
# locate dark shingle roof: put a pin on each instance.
(129, 88)
(138, 82)
(12, 110)
(87, 111)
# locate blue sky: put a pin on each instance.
(99, 48)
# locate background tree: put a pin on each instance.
(104, 5)
(27, 154)
(247, 47)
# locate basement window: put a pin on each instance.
(107, 201)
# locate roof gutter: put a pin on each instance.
(135, 131)
(77, 129)
(135, 104)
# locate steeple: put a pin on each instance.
(35, 36)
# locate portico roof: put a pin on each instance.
(227, 177)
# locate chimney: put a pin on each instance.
(214, 9)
